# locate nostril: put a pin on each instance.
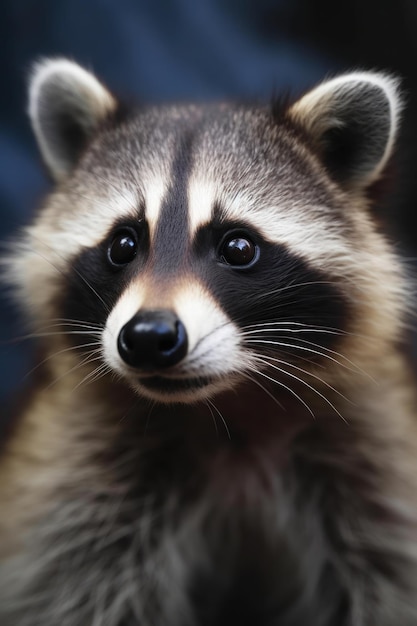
(170, 338)
(127, 342)
(167, 344)
(153, 339)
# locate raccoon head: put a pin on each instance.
(198, 247)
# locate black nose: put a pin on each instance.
(153, 339)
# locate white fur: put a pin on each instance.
(155, 191)
(128, 305)
(213, 340)
(214, 344)
(201, 197)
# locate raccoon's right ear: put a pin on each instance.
(66, 105)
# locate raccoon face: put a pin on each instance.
(199, 247)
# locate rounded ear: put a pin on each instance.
(66, 105)
(352, 121)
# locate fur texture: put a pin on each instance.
(268, 476)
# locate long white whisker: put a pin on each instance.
(133, 406)
(300, 369)
(311, 350)
(55, 354)
(55, 333)
(253, 380)
(267, 294)
(93, 376)
(300, 380)
(148, 417)
(213, 417)
(73, 324)
(88, 359)
(106, 307)
(280, 325)
(355, 368)
(58, 269)
(221, 417)
(193, 357)
(293, 330)
(281, 384)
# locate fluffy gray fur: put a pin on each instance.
(119, 509)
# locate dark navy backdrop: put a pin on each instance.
(185, 49)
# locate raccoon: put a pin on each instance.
(225, 428)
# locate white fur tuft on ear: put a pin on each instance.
(353, 122)
(66, 104)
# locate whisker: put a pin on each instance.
(300, 380)
(281, 384)
(291, 330)
(253, 380)
(287, 322)
(106, 307)
(93, 376)
(273, 292)
(213, 417)
(282, 322)
(320, 352)
(148, 417)
(130, 409)
(74, 323)
(55, 354)
(221, 417)
(60, 271)
(196, 357)
(78, 365)
(53, 334)
(356, 368)
(300, 369)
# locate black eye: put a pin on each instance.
(238, 250)
(123, 247)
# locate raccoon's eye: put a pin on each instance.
(238, 250)
(123, 247)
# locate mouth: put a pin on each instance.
(165, 386)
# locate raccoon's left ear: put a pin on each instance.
(352, 122)
(66, 105)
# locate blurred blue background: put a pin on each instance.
(159, 50)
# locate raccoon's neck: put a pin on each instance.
(101, 445)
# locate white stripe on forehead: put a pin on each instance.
(202, 196)
(155, 190)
